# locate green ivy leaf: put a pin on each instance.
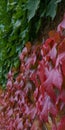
(58, 1)
(32, 6)
(52, 8)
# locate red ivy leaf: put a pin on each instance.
(53, 53)
(61, 125)
(61, 25)
(55, 78)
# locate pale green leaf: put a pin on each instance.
(32, 6)
(52, 8)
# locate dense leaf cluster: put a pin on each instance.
(36, 94)
(16, 20)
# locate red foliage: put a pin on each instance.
(38, 91)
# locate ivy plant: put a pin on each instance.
(16, 20)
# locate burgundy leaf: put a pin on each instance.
(10, 112)
(55, 78)
(61, 25)
(61, 125)
(53, 53)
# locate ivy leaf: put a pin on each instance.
(61, 25)
(61, 125)
(55, 78)
(51, 8)
(32, 7)
(17, 24)
(48, 107)
(57, 1)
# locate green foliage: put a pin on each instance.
(20, 21)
